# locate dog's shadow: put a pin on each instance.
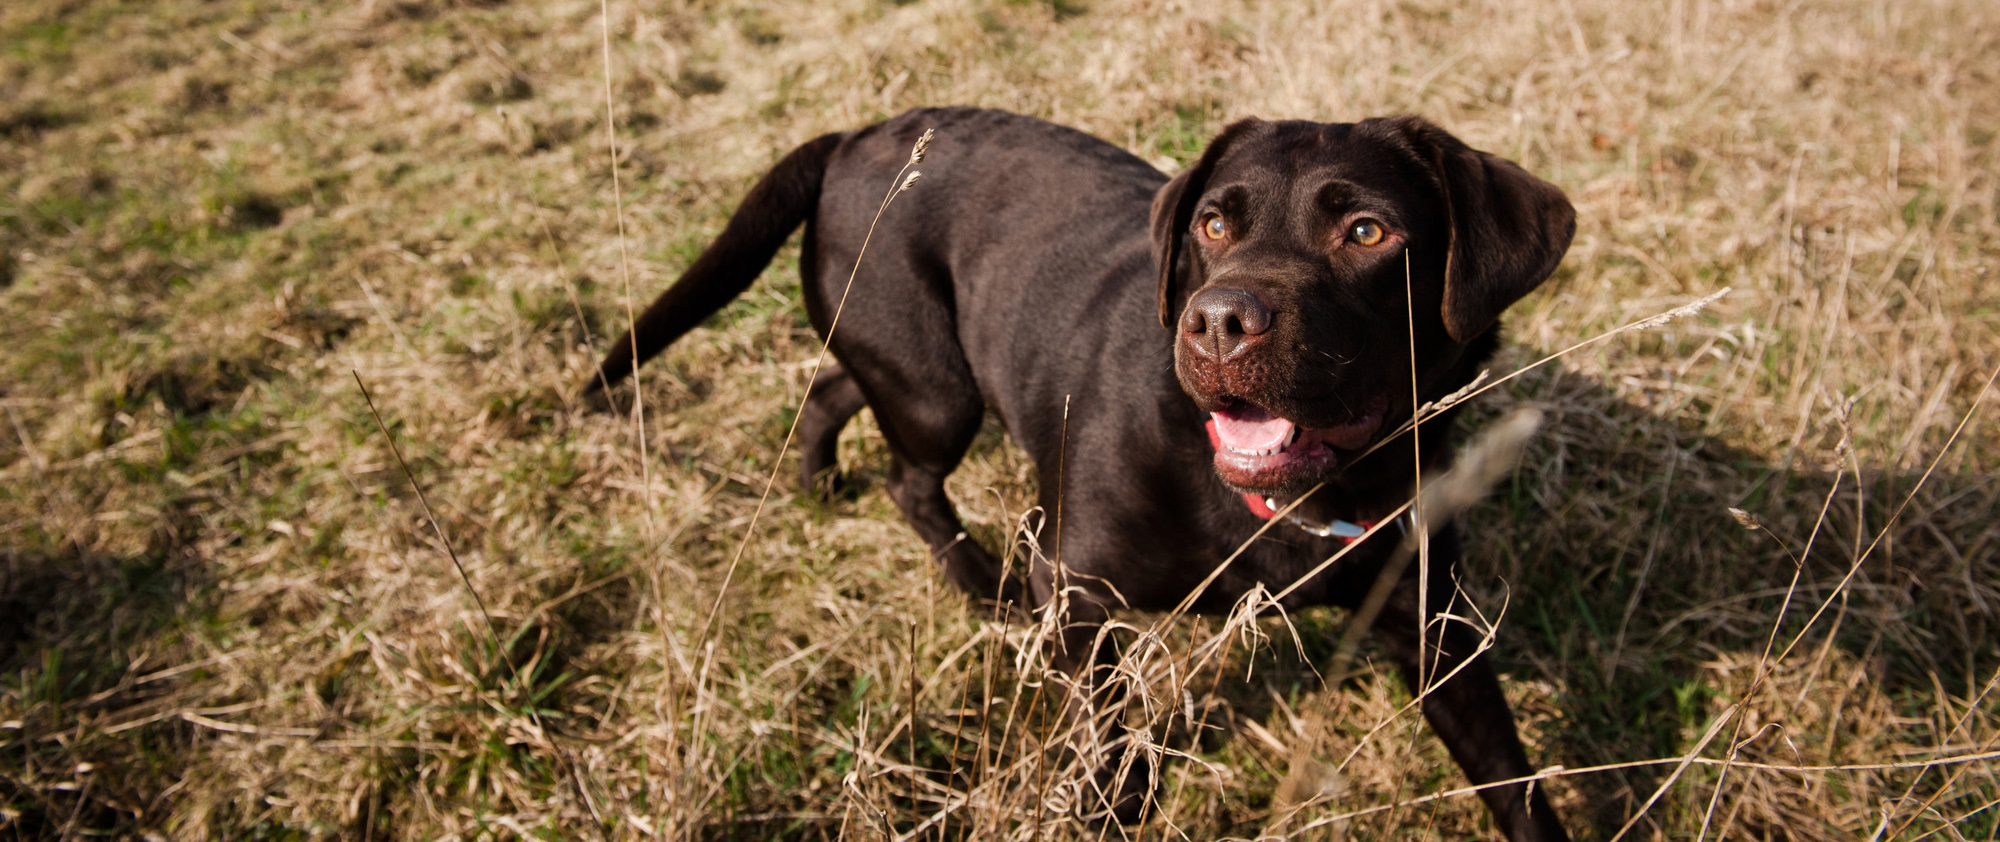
(1647, 602)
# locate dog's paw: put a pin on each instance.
(1010, 607)
(1121, 789)
(832, 485)
(995, 594)
(593, 397)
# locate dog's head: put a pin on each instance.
(1301, 263)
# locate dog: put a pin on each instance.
(1187, 355)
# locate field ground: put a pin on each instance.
(224, 613)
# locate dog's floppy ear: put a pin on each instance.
(1173, 209)
(1509, 229)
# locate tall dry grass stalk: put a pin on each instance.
(224, 612)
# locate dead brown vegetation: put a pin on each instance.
(223, 612)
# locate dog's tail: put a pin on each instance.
(783, 199)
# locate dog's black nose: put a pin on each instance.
(1219, 321)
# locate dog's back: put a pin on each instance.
(994, 228)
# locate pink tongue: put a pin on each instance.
(1251, 428)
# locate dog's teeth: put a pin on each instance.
(1264, 451)
(1290, 438)
(1269, 451)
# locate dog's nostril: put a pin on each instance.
(1255, 319)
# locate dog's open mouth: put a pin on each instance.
(1257, 450)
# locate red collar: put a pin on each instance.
(1346, 532)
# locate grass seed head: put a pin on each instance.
(1684, 310)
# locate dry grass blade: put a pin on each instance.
(624, 260)
(492, 631)
(901, 183)
(1419, 522)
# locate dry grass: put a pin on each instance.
(224, 614)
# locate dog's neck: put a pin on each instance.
(1344, 531)
(1367, 493)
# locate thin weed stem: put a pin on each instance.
(493, 631)
(625, 275)
(902, 183)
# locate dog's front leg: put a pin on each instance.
(1464, 703)
(1118, 782)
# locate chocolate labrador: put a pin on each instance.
(1186, 354)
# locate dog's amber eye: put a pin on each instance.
(1214, 228)
(1367, 232)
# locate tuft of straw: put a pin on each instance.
(1441, 404)
(923, 145)
(1687, 309)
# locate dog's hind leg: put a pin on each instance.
(835, 398)
(918, 489)
(928, 433)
